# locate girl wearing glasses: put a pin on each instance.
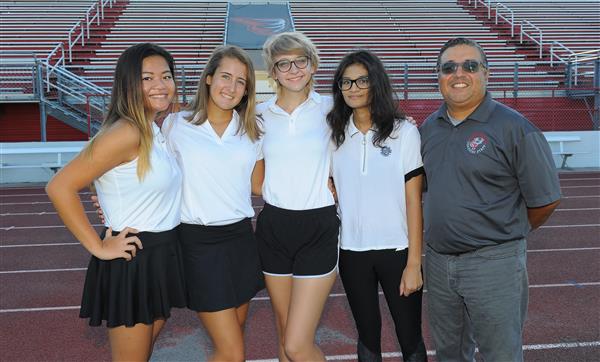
(378, 171)
(297, 231)
(135, 273)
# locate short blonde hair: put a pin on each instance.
(288, 42)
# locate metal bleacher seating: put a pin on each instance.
(35, 27)
(567, 34)
(189, 30)
(32, 29)
(561, 20)
(407, 35)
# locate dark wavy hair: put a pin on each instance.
(382, 104)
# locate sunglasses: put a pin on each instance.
(469, 66)
(285, 65)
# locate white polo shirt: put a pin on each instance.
(153, 204)
(297, 151)
(216, 170)
(370, 185)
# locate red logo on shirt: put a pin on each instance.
(477, 142)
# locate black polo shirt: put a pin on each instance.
(482, 175)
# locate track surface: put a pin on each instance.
(42, 268)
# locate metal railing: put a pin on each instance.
(500, 6)
(84, 25)
(15, 79)
(400, 72)
(525, 25)
(539, 42)
(582, 65)
(58, 63)
(66, 92)
(553, 54)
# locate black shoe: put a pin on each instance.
(366, 355)
(419, 355)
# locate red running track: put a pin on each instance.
(42, 269)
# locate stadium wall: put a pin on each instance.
(586, 154)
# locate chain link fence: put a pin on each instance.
(552, 112)
(547, 96)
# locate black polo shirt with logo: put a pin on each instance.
(482, 174)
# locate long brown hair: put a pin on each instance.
(127, 98)
(247, 106)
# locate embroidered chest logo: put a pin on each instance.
(386, 151)
(477, 142)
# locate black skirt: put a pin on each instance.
(141, 290)
(222, 267)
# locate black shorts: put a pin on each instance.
(298, 243)
(221, 263)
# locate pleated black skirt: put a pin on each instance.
(222, 266)
(141, 290)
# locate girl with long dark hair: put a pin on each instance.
(377, 171)
(135, 273)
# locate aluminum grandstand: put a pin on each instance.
(58, 55)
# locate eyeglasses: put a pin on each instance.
(469, 66)
(345, 83)
(285, 65)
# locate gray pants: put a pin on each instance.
(478, 297)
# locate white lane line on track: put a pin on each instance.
(266, 298)
(8, 228)
(46, 309)
(568, 226)
(35, 203)
(25, 195)
(579, 187)
(41, 270)
(395, 355)
(582, 209)
(54, 212)
(579, 179)
(561, 285)
(564, 249)
(37, 213)
(76, 243)
(38, 227)
(35, 245)
(574, 197)
(533, 347)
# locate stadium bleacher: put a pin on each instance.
(575, 24)
(406, 34)
(36, 27)
(413, 36)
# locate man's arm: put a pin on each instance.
(538, 215)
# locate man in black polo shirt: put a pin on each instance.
(490, 180)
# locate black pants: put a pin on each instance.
(361, 272)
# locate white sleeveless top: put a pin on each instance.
(151, 205)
